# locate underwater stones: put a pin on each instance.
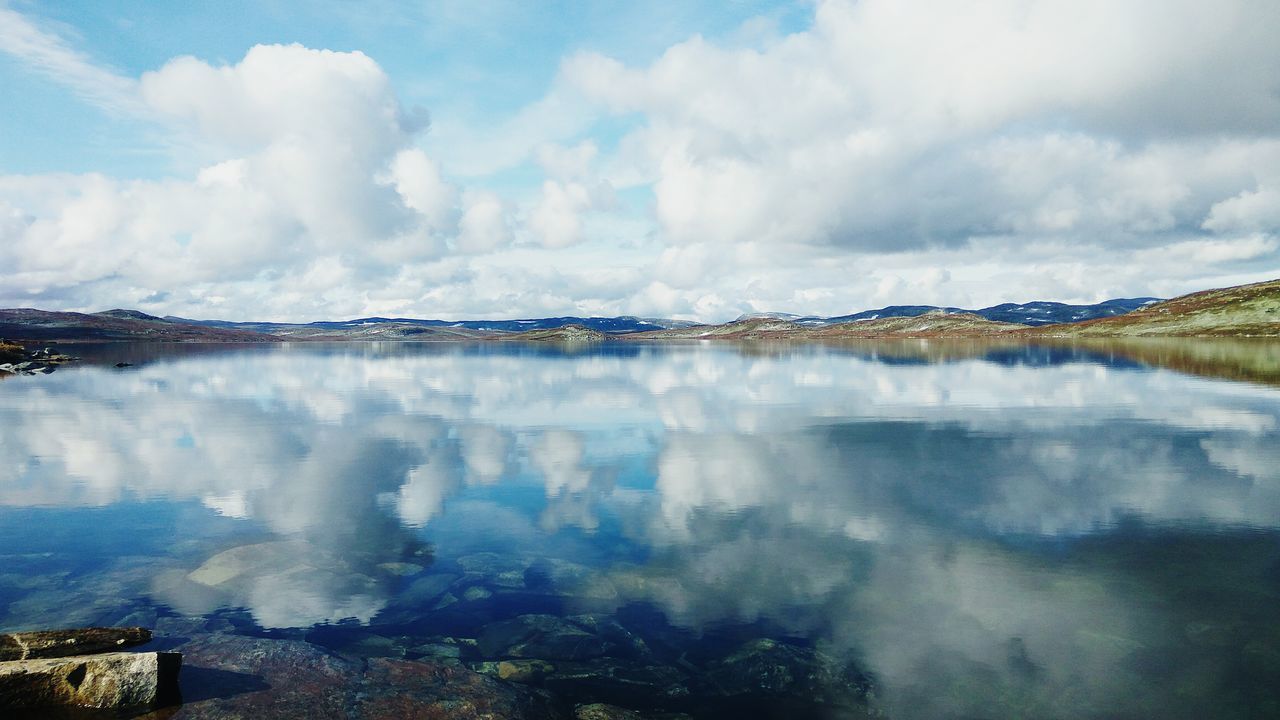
(605, 678)
(601, 711)
(541, 636)
(117, 680)
(403, 569)
(287, 583)
(524, 671)
(438, 650)
(414, 689)
(425, 590)
(769, 667)
(235, 677)
(245, 559)
(499, 571)
(231, 676)
(569, 579)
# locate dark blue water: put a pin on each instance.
(1015, 532)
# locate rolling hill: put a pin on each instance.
(1240, 311)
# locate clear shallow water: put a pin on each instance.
(1009, 532)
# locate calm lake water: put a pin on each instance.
(804, 531)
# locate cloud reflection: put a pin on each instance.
(897, 512)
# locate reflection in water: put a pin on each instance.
(987, 530)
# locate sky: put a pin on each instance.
(297, 161)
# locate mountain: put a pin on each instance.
(1049, 313)
(935, 323)
(565, 334)
(25, 324)
(1033, 313)
(1241, 311)
(360, 327)
(932, 323)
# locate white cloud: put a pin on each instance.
(50, 55)
(1037, 149)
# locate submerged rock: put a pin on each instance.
(111, 680)
(396, 689)
(607, 679)
(541, 636)
(234, 677)
(601, 711)
(771, 668)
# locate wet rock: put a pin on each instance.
(524, 671)
(569, 579)
(141, 617)
(407, 689)
(236, 677)
(541, 636)
(437, 650)
(402, 569)
(117, 680)
(627, 644)
(487, 563)
(771, 668)
(287, 583)
(623, 682)
(601, 711)
(501, 571)
(230, 676)
(63, 643)
(424, 590)
(370, 645)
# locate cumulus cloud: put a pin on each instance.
(1032, 150)
(312, 183)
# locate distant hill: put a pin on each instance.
(932, 323)
(1240, 311)
(935, 323)
(1035, 313)
(1248, 310)
(361, 326)
(566, 334)
(25, 324)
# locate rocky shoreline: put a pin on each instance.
(17, 360)
(85, 668)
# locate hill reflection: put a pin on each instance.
(1031, 524)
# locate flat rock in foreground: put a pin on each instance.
(110, 680)
(63, 643)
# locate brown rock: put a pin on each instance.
(601, 711)
(63, 643)
(402, 689)
(524, 671)
(230, 677)
(109, 680)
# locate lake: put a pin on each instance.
(913, 530)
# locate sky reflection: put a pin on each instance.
(946, 524)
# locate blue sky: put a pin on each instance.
(696, 160)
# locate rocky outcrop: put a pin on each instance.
(19, 361)
(62, 643)
(117, 680)
(231, 676)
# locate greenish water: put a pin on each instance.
(801, 531)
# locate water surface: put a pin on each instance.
(915, 529)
